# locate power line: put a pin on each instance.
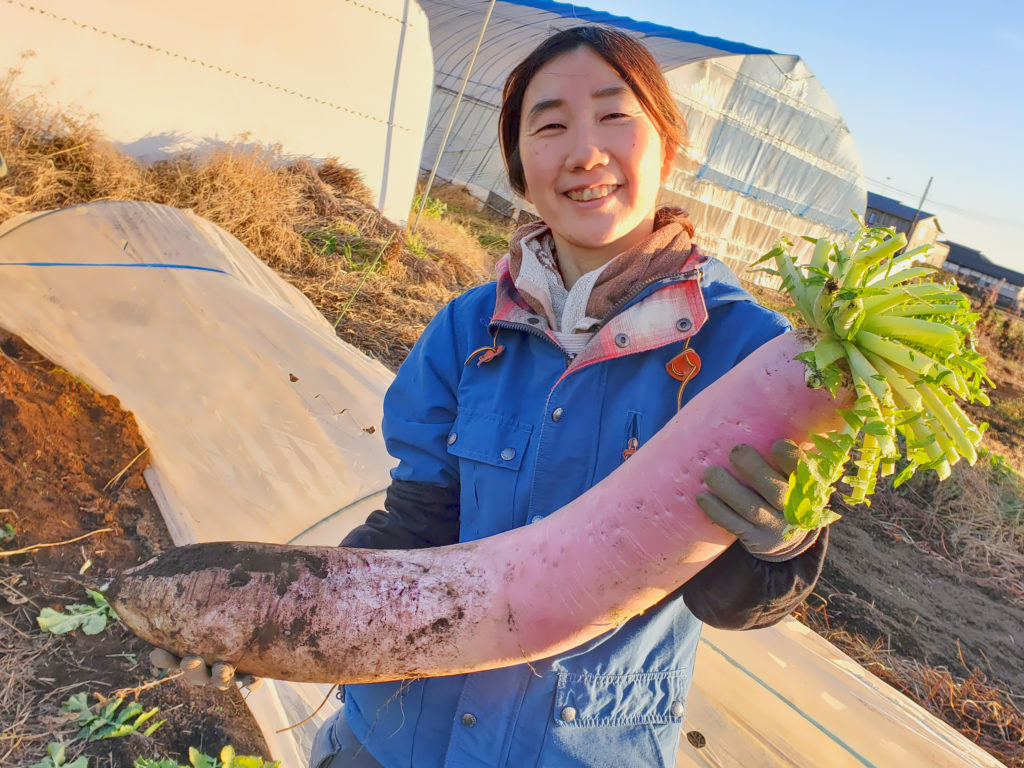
(949, 206)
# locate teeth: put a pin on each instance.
(591, 193)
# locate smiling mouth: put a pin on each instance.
(591, 193)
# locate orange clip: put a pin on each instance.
(682, 368)
(487, 353)
(631, 447)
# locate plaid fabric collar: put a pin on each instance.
(673, 310)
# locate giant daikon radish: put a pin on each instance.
(332, 614)
(904, 349)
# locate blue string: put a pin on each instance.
(854, 753)
(101, 264)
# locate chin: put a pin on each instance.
(596, 241)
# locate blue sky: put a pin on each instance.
(927, 89)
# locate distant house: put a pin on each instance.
(920, 227)
(973, 269)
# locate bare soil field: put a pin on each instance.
(62, 451)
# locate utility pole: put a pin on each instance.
(917, 213)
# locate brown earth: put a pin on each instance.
(888, 585)
(61, 447)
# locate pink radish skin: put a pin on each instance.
(332, 614)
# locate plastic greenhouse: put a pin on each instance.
(770, 154)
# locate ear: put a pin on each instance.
(668, 163)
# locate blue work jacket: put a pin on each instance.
(520, 433)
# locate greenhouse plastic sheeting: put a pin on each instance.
(257, 419)
(769, 152)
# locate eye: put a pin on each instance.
(550, 126)
(615, 116)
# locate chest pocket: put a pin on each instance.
(642, 698)
(490, 448)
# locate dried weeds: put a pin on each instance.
(314, 224)
(974, 520)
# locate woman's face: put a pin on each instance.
(592, 159)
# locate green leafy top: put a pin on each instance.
(109, 721)
(903, 343)
(197, 759)
(56, 757)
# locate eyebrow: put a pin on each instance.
(602, 93)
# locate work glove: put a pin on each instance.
(196, 672)
(751, 508)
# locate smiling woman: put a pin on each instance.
(520, 398)
(525, 393)
(599, 136)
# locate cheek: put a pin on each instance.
(649, 159)
(532, 157)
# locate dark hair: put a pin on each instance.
(628, 57)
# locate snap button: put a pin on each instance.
(536, 518)
(469, 720)
(556, 415)
(533, 320)
(621, 339)
(568, 714)
(508, 454)
(452, 438)
(683, 324)
(677, 709)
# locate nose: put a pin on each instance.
(586, 151)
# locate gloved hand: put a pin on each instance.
(752, 509)
(195, 671)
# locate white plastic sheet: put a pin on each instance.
(216, 356)
(257, 420)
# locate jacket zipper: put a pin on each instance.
(530, 329)
(633, 438)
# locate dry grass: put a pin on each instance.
(490, 230)
(314, 224)
(984, 711)
(974, 520)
